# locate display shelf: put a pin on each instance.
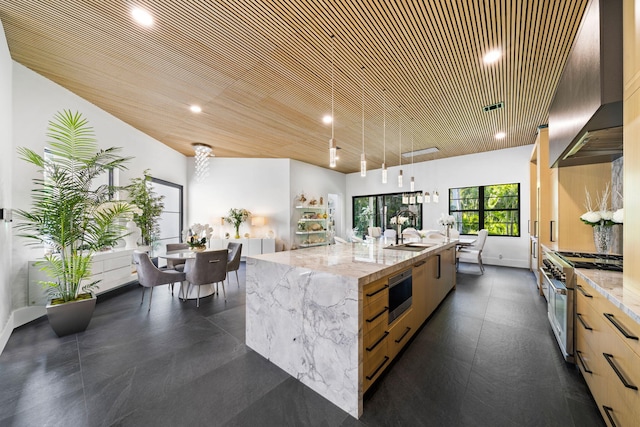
(311, 227)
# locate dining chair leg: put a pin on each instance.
(237, 279)
(171, 286)
(224, 293)
(198, 298)
(142, 300)
(150, 298)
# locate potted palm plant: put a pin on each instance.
(71, 216)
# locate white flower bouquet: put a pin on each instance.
(446, 220)
(400, 220)
(601, 215)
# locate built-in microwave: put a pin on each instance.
(400, 293)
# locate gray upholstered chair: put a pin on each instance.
(206, 268)
(174, 264)
(150, 276)
(233, 259)
(473, 253)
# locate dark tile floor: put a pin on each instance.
(485, 358)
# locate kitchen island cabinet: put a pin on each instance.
(322, 313)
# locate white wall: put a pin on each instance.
(266, 187)
(492, 167)
(35, 102)
(259, 185)
(6, 324)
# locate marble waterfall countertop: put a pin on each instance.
(304, 312)
(364, 261)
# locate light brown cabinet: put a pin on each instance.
(608, 355)
(432, 279)
(631, 137)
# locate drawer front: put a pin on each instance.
(623, 369)
(375, 314)
(400, 333)
(375, 362)
(116, 263)
(374, 335)
(375, 291)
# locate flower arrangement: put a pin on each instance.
(601, 215)
(236, 217)
(400, 220)
(446, 220)
(198, 236)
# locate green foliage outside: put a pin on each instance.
(493, 207)
(368, 211)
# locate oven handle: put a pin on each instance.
(552, 286)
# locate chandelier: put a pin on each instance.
(203, 152)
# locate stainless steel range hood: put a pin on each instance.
(585, 117)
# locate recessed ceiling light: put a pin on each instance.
(142, 17)
(327, 119)
(492, 56)
(195, 109)
(500, 135)
(420, 152)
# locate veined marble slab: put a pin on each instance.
(304, 312)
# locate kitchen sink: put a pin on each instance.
(416, 247)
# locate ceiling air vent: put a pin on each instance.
(496, 106)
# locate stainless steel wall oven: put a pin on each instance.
(400, 294)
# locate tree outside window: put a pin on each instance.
(493, 207)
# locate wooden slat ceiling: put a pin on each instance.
(261, 70)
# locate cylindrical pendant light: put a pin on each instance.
(333, 148)
(363, 159)
(384, 137)
(400, 153)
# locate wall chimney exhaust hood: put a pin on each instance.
(585, 118)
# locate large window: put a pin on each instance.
(171, 217)
(494, 207)
(381, 210)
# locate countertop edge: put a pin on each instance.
(609, 285)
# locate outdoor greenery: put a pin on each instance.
(379, 210)
(493, 207)
(142, 195)
(71, 215)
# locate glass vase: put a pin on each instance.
(602, 237)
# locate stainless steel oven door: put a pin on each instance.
(560, 314)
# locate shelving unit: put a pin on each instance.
(311, 229)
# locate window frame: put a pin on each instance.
(482, 211)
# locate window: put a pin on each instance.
(170, 220)
(494, 207)
(379, 210)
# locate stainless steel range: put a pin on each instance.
(558, 274)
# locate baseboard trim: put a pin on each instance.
(18, 318)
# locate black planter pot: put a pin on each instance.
(71, 317)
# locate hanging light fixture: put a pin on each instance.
(427, 197)
(203, 152)
(405, 199)
(412, 185)
(436, 197)
(363, 159)
(400, 153)
(384, 137)
(333, 148)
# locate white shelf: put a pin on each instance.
(311, 219)
(311, 232)
(311, 207)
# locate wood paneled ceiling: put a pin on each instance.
(261, 71)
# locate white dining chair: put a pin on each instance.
(339, 240)
(473, 253)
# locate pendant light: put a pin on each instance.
(333, 148)
(412, 185)
(363, 159)
(400, 153)
(384, 137)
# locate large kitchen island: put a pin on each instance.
(325, 314)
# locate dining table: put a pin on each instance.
(187, 292)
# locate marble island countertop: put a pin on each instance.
(364, 261)
(610, 285)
